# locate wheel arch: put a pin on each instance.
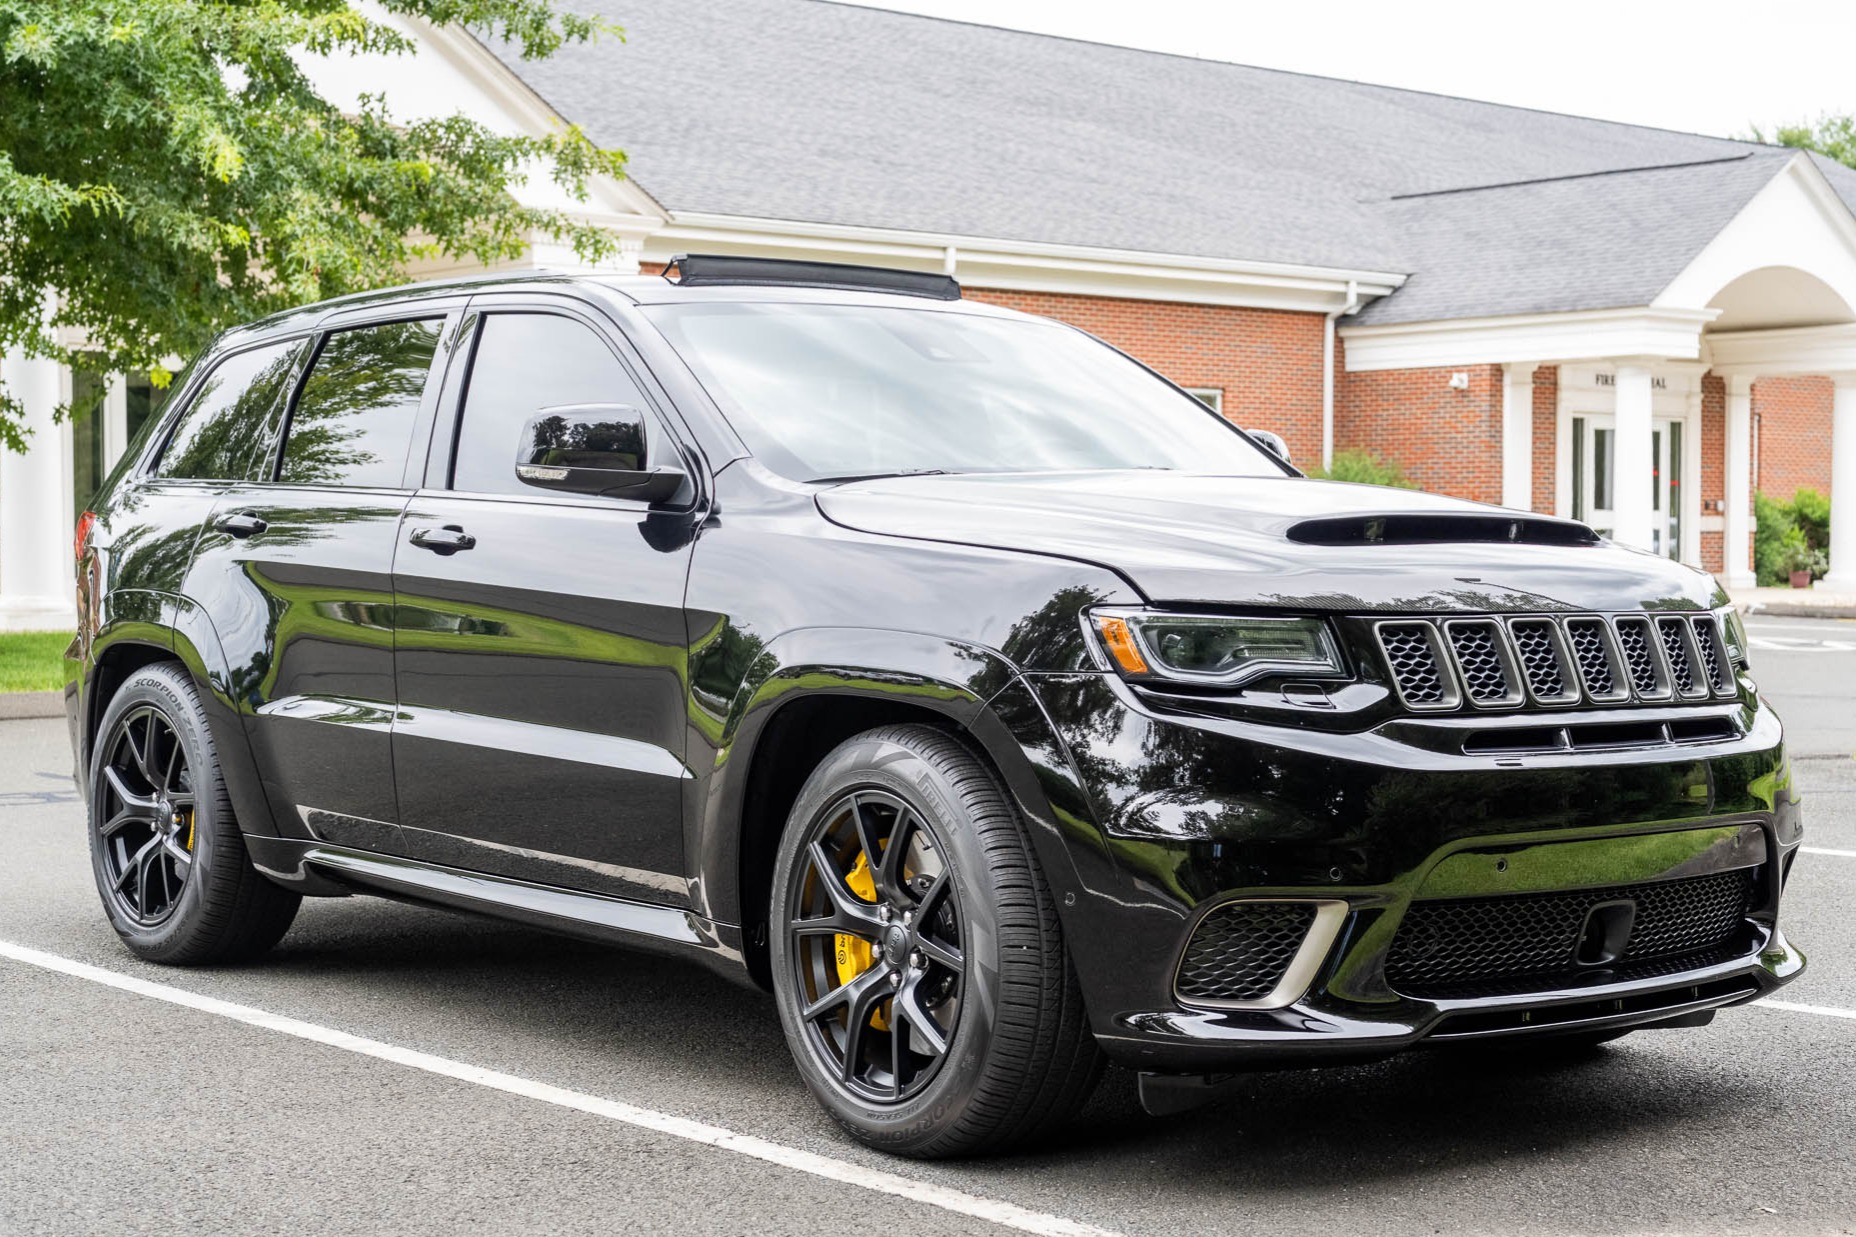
(809, 692)
(170, 628)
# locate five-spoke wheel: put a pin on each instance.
(146, 808)
(916, 954)
(876, 945)
(169, 859)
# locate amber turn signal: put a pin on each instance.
(1120, 642)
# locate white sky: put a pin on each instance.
(1705, 66)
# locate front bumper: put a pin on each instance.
(1217, 809)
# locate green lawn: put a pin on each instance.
(32, 661)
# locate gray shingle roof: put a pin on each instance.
(1591, 242)
(829, 113)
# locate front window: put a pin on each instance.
(828, 391)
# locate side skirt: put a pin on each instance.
(322, 869)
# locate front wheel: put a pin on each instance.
(917, 960)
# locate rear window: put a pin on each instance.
(353, 422)
(226, 433)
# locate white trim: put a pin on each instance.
(1211, 397)
(1664, 334)
(1030, 266)
(1737, 485)
(1788, 350)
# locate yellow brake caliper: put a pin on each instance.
(856, 955)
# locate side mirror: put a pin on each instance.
(1272, 443)
(593, 449)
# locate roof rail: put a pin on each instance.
(698, 270)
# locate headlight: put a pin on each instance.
(1215, 649)
(1733, 630)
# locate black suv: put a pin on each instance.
(989, 699)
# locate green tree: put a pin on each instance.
(1834, 136)
(167, 168)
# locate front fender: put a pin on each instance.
(973, 688)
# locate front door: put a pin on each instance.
(1595, 479)
(541, 645)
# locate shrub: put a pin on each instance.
(1364, 467)
(1774, 520)
(1782, 526)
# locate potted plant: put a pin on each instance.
(1798, 560)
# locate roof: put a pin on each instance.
(827, 113)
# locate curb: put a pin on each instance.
(16, 705)
(1798, 609)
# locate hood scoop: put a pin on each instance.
(1439, 528)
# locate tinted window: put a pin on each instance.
(225, 435)
(353, 422)
(524, 363)
(822, 391)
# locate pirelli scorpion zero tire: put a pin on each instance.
(169, 860)
(917, 961)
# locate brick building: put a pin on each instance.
(1517, 307)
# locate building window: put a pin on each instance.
(1211, 397)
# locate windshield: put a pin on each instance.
(832, 391)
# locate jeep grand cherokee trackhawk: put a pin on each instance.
(994, 703)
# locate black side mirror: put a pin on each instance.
(593, 449)
(1272, 443)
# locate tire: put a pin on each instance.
(956, 940)
(166, 850)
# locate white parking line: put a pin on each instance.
(1824, 850)
(993, 1211)
(1791, 1007)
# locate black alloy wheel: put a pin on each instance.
(165, 847)
(918, 962)
(876, 945)
(146, 805)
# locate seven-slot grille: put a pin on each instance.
(1557, 660)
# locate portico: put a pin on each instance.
(1768, 295)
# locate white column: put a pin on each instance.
(1737, 555)
(1518, 435)
(1842, 577)
(35, 529)
(1631, 457)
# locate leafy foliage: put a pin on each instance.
(1834, 136)
(167, 169)
(1791, 536)
(1364, 467)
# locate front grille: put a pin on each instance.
(1482, 661)
(1241, 950)
(1529, 942)
(1556, 660)
(1411, 649)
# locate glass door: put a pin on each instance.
(1594, 479)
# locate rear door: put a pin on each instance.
(295, 571)
(541, 670)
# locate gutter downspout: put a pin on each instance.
(1327, 372)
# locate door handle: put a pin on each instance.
(241, 524)
(447, 540)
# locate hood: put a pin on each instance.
(1292, 542)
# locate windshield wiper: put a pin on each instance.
(880, 476)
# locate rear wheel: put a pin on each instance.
(165, 848)
(917, 959)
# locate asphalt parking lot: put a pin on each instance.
(365, 1102)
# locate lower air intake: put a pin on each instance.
(1242, 950)
(1455, 947)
